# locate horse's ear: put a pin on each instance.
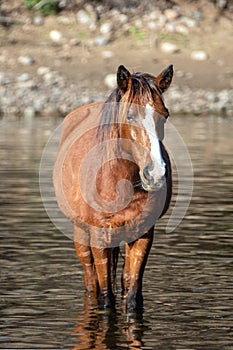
(123, 78)
(164, 79)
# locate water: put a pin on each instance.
(188, 283)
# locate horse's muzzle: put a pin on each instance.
(148, 182)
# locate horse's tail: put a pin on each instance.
(115, 254)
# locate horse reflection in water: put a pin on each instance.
(95, 330)
(112, 179)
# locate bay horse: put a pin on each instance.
(113, 180)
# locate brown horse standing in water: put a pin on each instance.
(112, 179)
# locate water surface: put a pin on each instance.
(188, 283)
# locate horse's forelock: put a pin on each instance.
(142, 89)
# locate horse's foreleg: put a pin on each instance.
(102, 261)
(85, 256)
(139, 251)
(125, 278)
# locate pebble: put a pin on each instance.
(171, 14)
(23, 77)
(101, 40)
(26, 60)
(110, 81)
(182, 29)
(55, 36)
(4, 79)
(83, 17)
(189, 22)
(120, 19)
(29, 113)
(199, 55)
(106, 28)
(169, 48)
(152, 25)
(43, 70)
(107, 54)
(38, 21)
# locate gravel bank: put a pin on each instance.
(49, 93)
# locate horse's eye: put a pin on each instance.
(130, 117)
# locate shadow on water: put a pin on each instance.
(188, 283)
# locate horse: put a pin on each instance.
(113, 181)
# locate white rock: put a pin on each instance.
(182, 29)
(107, 54)
(122, 18)
(110, 81)
(152, 25)
(23, 77)
(83, 17)
(169, 48)
(25, 60)
(101, 40)
(38, 21)
(189, 22)
(105, 28)
(43, 70)
(55, 36)
(65, 20)
(199, 55)
(29, 113)
(170, 27)
(171, 14)
(161, 20)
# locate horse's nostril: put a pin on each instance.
(146, 172)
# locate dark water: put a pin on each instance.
(188, 283)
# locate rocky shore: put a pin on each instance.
(49, 93)
(52, 65)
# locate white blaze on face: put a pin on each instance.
(155, 153)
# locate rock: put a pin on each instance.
(101, 40)
(152, 25)
(197, 15)
(4, 79)
(161, 20)
(179, 74)
(110, 81)
(38, 21)
(74, 42)
(120, 19)
(29, 113)
(199, 55)
(169, 48)
(23, 77)
(43, 70)
(106, 28)
(182, 29)
(189, 22)
(65, 20)
(83, 17)
(171, 14)
(107, 54)
(55, 36)
(26, 60)
(28, 84)
(170, 27)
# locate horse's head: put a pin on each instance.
(143, 115)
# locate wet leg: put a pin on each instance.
(125, 279)
(90, 278)
(139, 251)
(102, 261)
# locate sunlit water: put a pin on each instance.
(188, 283)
